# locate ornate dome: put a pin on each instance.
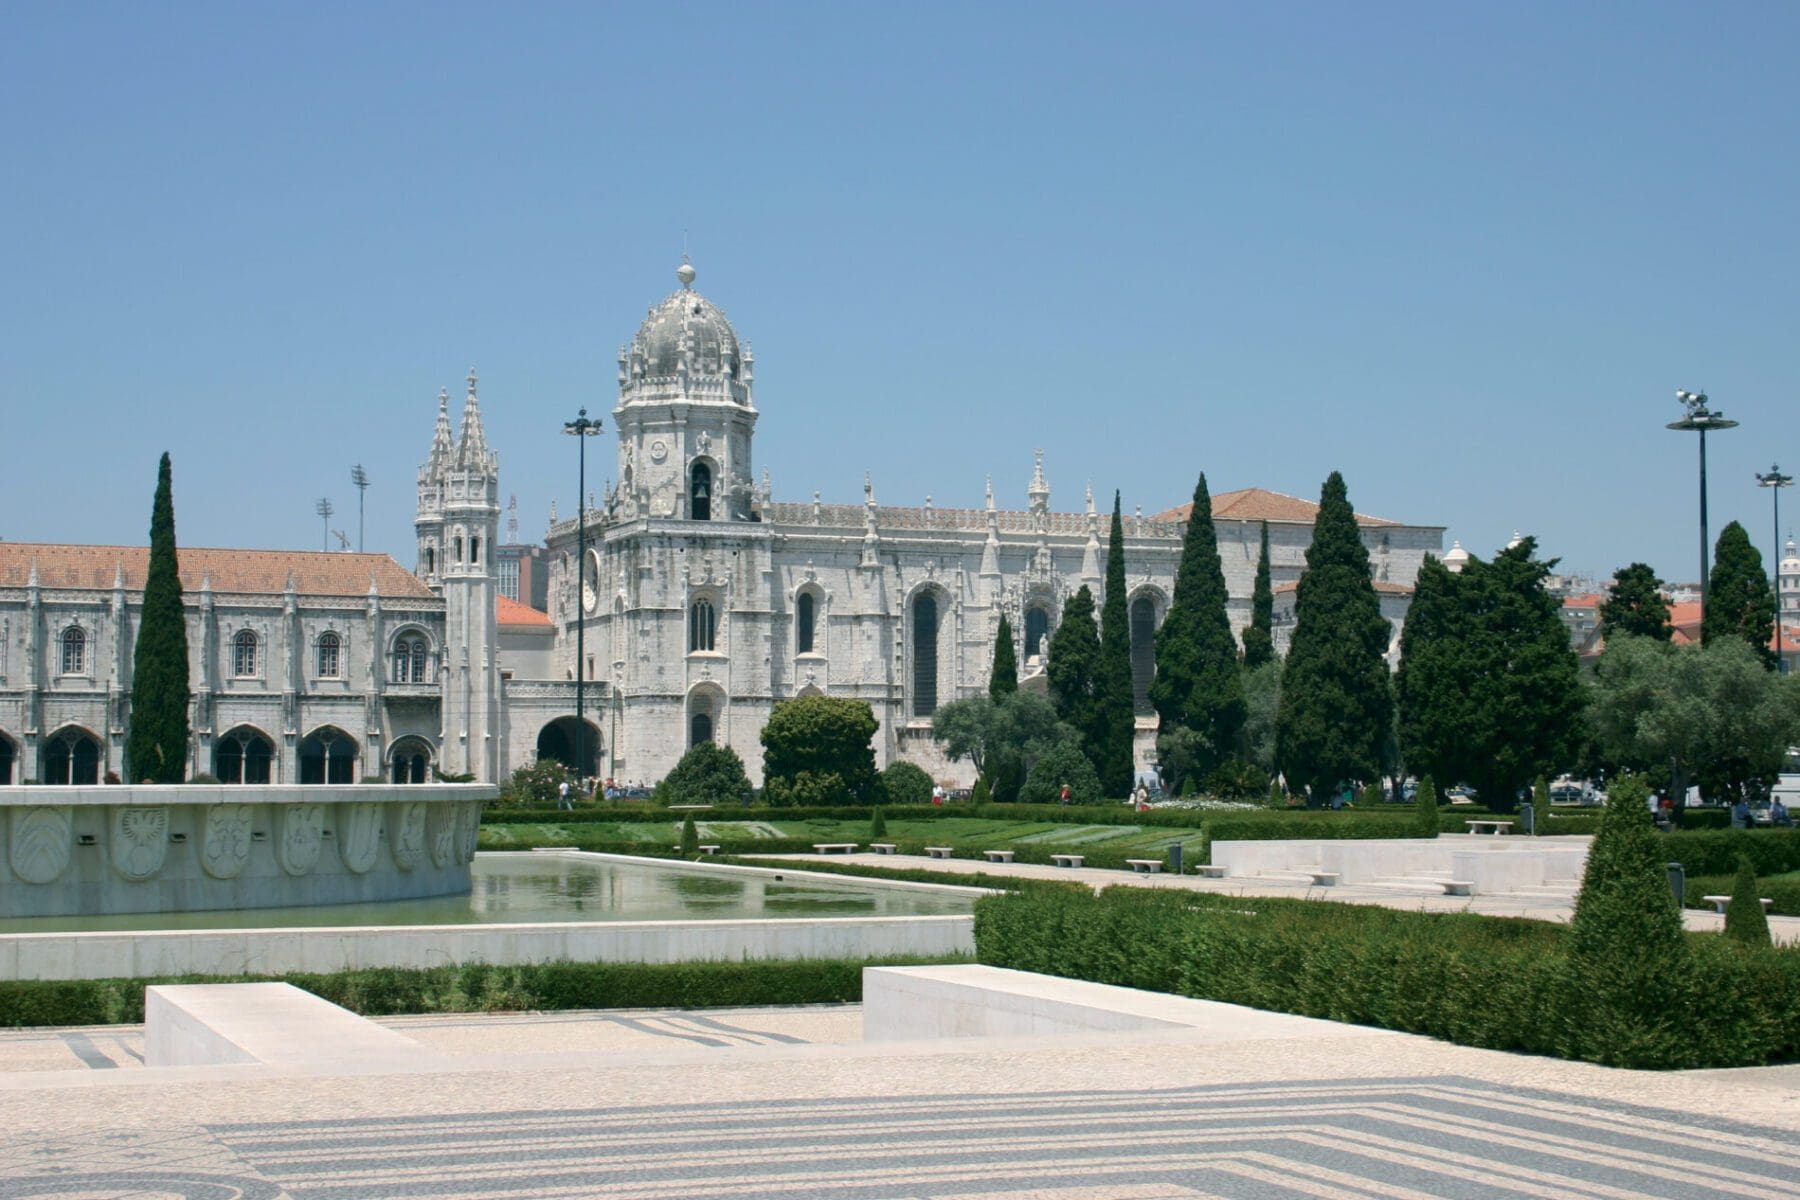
(686, 333)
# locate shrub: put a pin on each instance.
(708, 774)
(981, 794)
(906, 783)
(1716, 851)
(1540, 807)
(537, 784)
(690, 837)
(1062, 763)
(1235, 779)
(877, 826)
(1425, 810)
(1783, 890)
(1744, 919)
(1277, 799)
(826, 738)
(807, 789)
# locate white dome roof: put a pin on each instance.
(685, 334)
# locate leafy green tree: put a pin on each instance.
(1425, 809)
(822, 736)
(156, 746)
(905, 783)
(1015, 729)
(1705, 714)
(1634, 605)
(537, 785)
(1199, 684)
(1262, 704)
(1740, 602)
(1336, 701)
(690, 837)
(1062, 763)
(709, 774)
(1259, 635)
(1074, 665)
(1182, 757)
(1745, 920)
(1115, 704)
(1005, 677)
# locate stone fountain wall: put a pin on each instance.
(82, 851)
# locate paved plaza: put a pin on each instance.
(787, 1103)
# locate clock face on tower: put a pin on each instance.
(590, 582)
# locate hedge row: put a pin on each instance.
(1716, 851)
(1496, 983)
(1784, 892)
(542, 987)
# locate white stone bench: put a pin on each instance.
(1458, 887)
(1324, 878)
(1210, 871)
(835, 847)
(884, 847)
(998, 855)
(939, 851)
(216, 1024)
(709, 848)
(1494, 827)
(1068, 860)
(1721, 903)
(1145, 866)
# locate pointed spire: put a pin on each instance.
(472, 450)
(442, 446)
(1040, 487)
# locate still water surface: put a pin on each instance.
(529, 889)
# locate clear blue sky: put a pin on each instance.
(1463, 253)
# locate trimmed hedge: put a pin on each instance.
(1783, 891)
(1716, 851)
(1497, 983)
(542, 987)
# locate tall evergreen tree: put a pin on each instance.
(1336, 699)
(1634, 605)
(1198, 684)
(1115, 701)
(1004, 679)
(1259, 636)
(1431, 686)
(156, 746)
(1740, 601)
(1075, 663)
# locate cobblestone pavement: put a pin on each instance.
(1149, 1116)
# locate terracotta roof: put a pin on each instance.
(1590, 601)
(1260, 504)
(263, 572)
(513, 615)
(1382, 587)
(1686, 620)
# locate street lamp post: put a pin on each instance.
(1699, 419)
(1775, 481)
(581, 429)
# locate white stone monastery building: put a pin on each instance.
(700, 604)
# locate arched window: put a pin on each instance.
(1143, 651)
(243, 755)
(74, 651)
(1037, 628)
(331, 659)
(243, 654)
(430, 559)
(700, 494)
(411, 659)
(925, 656)
(71, 756)
(328, 755)
(8, 754)
(804, 615)
(457, 543)
(700, 729)
(703, 623)
(410, 761)
(475, 550)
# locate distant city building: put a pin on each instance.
(523, 573)
(1581, 616)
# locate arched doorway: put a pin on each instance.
(243, 755)
(1037, 628)
(556, 741)
(9, 757)
(410, 761)
(71, 757)
(328, 755)
(1143, 651)
(706, 710)
(925, 655)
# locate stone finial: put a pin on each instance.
(685, 273)
(990, 493)
(868, 489)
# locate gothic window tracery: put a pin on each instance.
(412, 662)
(703, 624)
(330, 656)
(243, 655)
(74, 651)
(925, 655)
(805, 617)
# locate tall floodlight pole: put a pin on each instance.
(1775, 481)
(1699, 419)
(324, 509)
(581, 429)
(360, 478)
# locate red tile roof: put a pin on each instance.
(1260, 504)
(1589, 601)
(514, 615)
(261, 572)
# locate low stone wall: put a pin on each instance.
(88, 851)
(1492, 864)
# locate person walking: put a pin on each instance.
(562, 796)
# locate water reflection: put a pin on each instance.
(528, 890)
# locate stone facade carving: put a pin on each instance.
(406, 834)
(299, 836)
(40, 839)
(140, 841)
(225, 844)
(359, 836)
(468, 831)
(442, 834)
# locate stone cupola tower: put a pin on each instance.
(685, 416)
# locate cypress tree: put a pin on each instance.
(690, 837)
(1425, 809)
(1004, 680)
(156, 746)
(1540, 807)
(1074, 663)
(1115, 702)
(1259, 636)
(1431, 686)
(1745, 920)
(1634, 604)
(1739, 601)
(1198, 684)
(1336, 699)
